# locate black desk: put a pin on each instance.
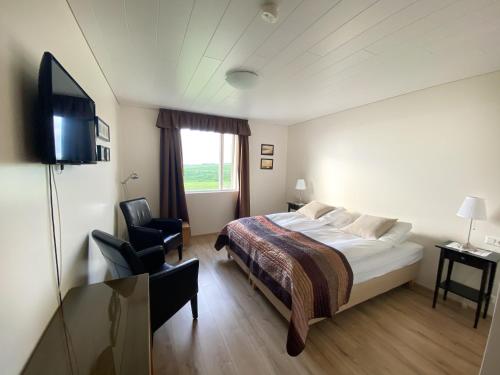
(295, 206)
(487, 264)
(102, 329)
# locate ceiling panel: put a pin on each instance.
(204, 20)
(373, 15)
(328, 76)
(200, 78)
(141, 18)
(306, 14)
(236, 19)
(333, 19)
(173, 19)
(410, 34)
(456, 33)
(391, 25)
(322, 56)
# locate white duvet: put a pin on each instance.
(368, 258)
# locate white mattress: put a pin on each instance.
(368, 258)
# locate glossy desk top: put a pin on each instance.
(101, 329)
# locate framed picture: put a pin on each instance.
(266, 149)
(102, 129)
(100, 153)
(266, 163)
(103, 153)
(107, 154)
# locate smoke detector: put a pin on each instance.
(242, 79)
(269, 12)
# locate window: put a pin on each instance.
(208, 160)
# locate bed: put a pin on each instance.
(373, 266)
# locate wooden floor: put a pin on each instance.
(239, 332)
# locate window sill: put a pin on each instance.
(211, 192)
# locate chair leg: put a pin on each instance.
(179, 250)
(194, 306)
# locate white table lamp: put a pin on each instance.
(300, 186)
(472, 208)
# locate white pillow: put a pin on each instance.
(339, 218)
(315, 209)
(329, 216)
(370, 227)
(398, 234)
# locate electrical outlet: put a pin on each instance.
(494, 241)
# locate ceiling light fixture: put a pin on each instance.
(269, 12)
(242, 79)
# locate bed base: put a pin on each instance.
(360, 292)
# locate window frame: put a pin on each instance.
(221, 188)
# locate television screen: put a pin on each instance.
(67, 117)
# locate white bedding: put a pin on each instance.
(368, 258)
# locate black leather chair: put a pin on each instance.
(144, 231)
(170, 287)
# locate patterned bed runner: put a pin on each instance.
(312, 279)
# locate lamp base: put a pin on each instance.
(468, 247)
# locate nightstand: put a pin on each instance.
(295, 206)
(487, 264)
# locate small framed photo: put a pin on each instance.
(107, 154)
(266, 149)
(102, 130)
(103, 153)
(266, 163)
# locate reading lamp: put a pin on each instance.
(300, 186)
(132, 176)
(472, 208)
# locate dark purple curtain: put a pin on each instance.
(172, 194)
(243, 202)
(171, 119)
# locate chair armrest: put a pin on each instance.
(152, 258)
(170, 226)
(171, 289)
(188, 269)
(143, 237)
(181, 280)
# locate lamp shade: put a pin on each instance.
(301, 184)
(473, 208)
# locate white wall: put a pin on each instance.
(208, 212)
(491, 364)
(268, 187)
(414, 157)
(88, 193)
(139, 152)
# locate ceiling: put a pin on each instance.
(322, 56)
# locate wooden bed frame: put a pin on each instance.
(360, 292)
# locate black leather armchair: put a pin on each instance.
(170, 287)
(145, 231)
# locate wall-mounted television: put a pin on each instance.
(67, 117)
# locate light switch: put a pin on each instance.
(490, 240)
